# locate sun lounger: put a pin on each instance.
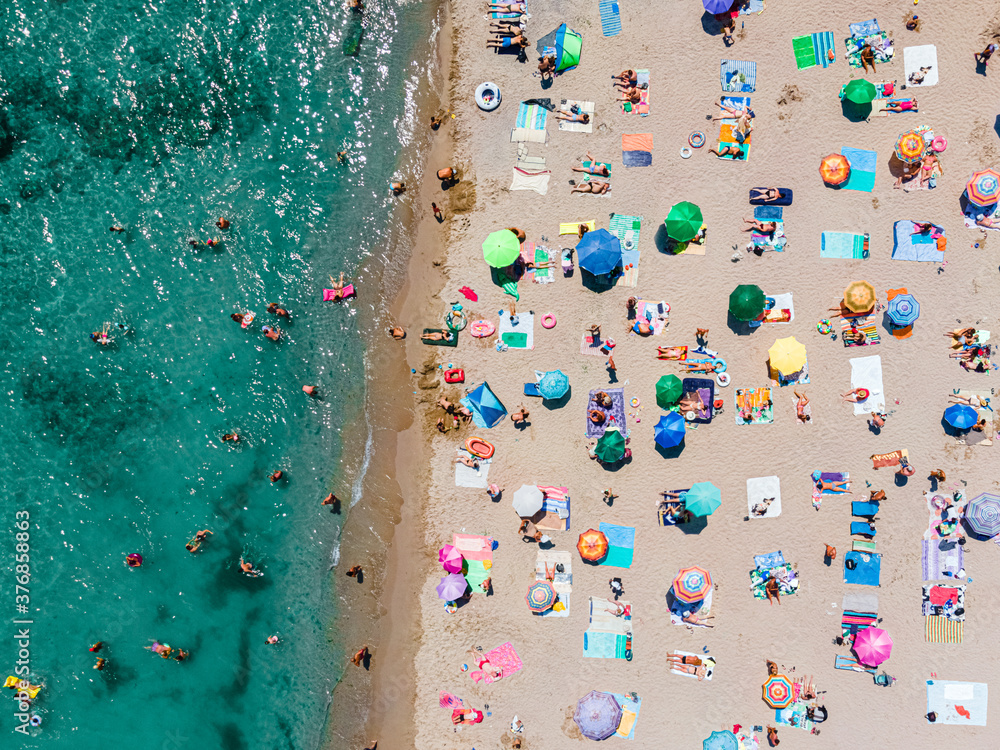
(784, 200)
(863, 509)
(863, 528)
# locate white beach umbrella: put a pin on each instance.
(528, 500)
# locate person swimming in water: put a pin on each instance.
(222, 223)
(274, 309)
(249, 569)
(195, 543)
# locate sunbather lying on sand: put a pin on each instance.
(594, 168)
(571, 117)
(503, 28)
(626, 79)
(706, 367)
(734, 151)
(906, 105)
(767, 195)
(671, 352)
(633, 95)
(764, 227)
(838, 485)
(435, 336)
(508, 42)
(594, 186)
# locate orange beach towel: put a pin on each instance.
(637, 142)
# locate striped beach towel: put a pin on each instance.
(611, 22)
(942, 630)
(864, 324)
(813, 50)
(738, 75)
(842, 245)
(531, 116)
(620, 226)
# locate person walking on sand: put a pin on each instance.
(831, 553)
(867, 57)
(355, 571)
(437, 213)
(331, 499)
(360, 656)
(984, 56)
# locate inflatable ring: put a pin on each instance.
(686, 153)
(939, 143)
(548, 320)
(723, 379)
(696, 139)
(721, 363)
(488, 96)
(824, 327)
(635, 402)
(479, 447)
(482, 328)
(455, 320)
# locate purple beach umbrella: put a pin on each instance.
(598, 715)
(452, 587)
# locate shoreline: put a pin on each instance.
(383, 532)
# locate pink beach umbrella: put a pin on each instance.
(450, 559)
(873, 646)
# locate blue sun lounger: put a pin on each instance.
(863, 528)
(863, 509)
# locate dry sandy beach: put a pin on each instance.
(798, 121)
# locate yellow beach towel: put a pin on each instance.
(628, 721)
(573, 227)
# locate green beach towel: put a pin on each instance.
(805, 52)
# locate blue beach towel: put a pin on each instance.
(865, 28)
(864, 509)
(842, 245)
(627, 704)
(768, 561)
(917, 247)
(621, 544)
(600, 645)
(862, 169)
(767, 213)
(944, 695)
(738, 75)
(637, 158)
(611, 22)
(823, 43)
(752, 6)
(867, 568)
(531, 116)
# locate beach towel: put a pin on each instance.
(466, 476)
(452, 341)
(473, 546)
(517, 335)
(706, 661)
(577, 127)
(784, 200)
(864, 324)
(832, 476)
(925, 248)
(796, 378)
(611, 22)
(522, 179)
(813, 50)
(591, 345)
(975, 437)
(750, 7)
(562, 582)
(555, 506)
(944, 601)
(727, 127)
(705, 388)
(866, 372)
(543, 255)
(842, 245)
(859, 612)
(637, 149)
(504, 658)
(867, 568)
(863, 545)
(496, 14)
(975, 212)
(794, 715)
(942, 630)
(573, 227)
(864, 28)
(657, 313)
(608, 636)
(937, 563)
(774, 241)
(476, 572)
(783, 310)
(881, 460)
(664, 518)
(642, 83)
(842, 661)
(958, 702)
(786, 576)
(614, 416)
(864, 509)
(621, 545)
(915, 58)
(630, 714)
(758, 401)
(698, 609)
(862, 177)
(769, 560)
(738, 75)
(760, 489)
(626, 229)
(882, 46)
(529, 125)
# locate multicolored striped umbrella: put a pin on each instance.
(859, 296)
(540, 597)
(692, 584)
(835, 169)
(778, 691)
(982, 514)
(903, 310)
(910, 147)
(983, 188)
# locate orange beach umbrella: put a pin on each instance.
(593, 545)
(859, 296)
(835, 169)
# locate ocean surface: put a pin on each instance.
(160, 117)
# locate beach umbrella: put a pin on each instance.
(859, 296)
(835, 169)
(599, 252)
(450, 558)
(903, 310)
(721, 740)
(910, 147)
(692, 584)
(553, 384)
(610, 446)
(598, 715)
(873, 646)
(669, 431)
(528, 500)
(778, 692)
(569, 45)
(501, 248)
(982, 514)
(746, 302)
(540, 597)
(484, 403)
(717, 6)
(983, 188)
(592, 545)
(452, 587)
(668, 391)
(960, 416)
(860, 91)
(684, 221)
(702, 499)
(787, 355)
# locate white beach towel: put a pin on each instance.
(761, 488)
(782, 302)
(577, 127)
(524, 323)
(526, 180)
(706, 659)
(866, 372)
(466, 476)
(562, 583)
(527, 135)
(915, 58)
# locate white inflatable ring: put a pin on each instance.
(488, 96)
(722, 379)
(686, 152)
(548, 320)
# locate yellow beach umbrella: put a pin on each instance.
(787, 356)
(859, 296)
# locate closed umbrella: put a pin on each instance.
(787, 356)
(452, 587)
(960, 416)
(873, 646)
(835, 169)
(450, 558)
(610, 446)
(668, 391)
(778, 691)
(702, 499)
(746, 302)
(859, 296)
(903, 310)
(669, 431)
(692, 584)
(528, 500)
(684, 221)
(540, 597)
(983, 188)
(982, 514)
(553, 384)
(910, 147)
(592, 545)
(860, 91)
(597, 715)
(501, 248)
(721, 740)
(599, 252)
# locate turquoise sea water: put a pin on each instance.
(160, 117)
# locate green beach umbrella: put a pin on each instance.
(746, 302)
(702, 499)
(668, 391)
(501, 248)
(860, 91)
(611, 446)
(684, 221)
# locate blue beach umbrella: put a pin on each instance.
(487, 411)
(702, 499)
(960, 416)
(724, 740)
(599, 252)
(717, 6)
(669, 431)
(903, 310)
(553, 384)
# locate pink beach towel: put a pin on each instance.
(504, 658)
(447, 700)
(473, 547)
(330, 295)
